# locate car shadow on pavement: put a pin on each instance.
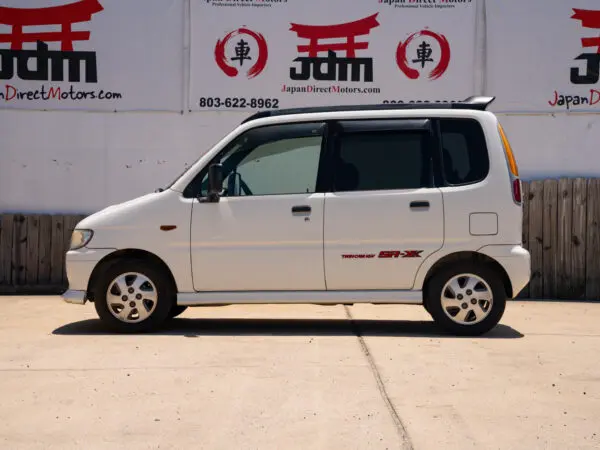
(289, 327)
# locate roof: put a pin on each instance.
(478, 103)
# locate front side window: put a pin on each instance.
(272, 160)
(369, 161)
(464, 151)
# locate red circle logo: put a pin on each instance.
(424, 53)
(242, 53)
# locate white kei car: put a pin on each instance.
(412, 203)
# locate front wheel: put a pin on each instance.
(134, 296)
(466, 299)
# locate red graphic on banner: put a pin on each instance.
(589, 19)
(423, 55)
(63, 15)
(242, 53)
(348, 31)
(336, 68)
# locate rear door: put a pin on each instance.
(383, 216)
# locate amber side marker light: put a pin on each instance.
(512, 163)
(168, 227)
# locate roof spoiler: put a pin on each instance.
(479, 103)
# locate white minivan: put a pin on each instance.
(397, 203)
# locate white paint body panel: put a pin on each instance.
(256, 243)
(136, 225)
(373, 221)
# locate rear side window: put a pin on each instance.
(369, 161)
(464, 151)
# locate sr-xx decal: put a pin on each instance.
(387, 254)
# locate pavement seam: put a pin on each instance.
(400, 428)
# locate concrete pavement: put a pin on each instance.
(322, 377)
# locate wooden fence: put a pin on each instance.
(561, 229)
(32, 252)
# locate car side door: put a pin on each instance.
(384, 215)
(266, 231)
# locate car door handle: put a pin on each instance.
(301, 209)
(419, 205)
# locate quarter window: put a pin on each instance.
(382, 161)
(464, 151)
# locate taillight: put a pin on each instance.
(516, 188)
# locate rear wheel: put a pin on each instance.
(466, 299)
(133, 296)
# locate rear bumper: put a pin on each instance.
(516, 262)
(74, 297)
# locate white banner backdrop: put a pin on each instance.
(261, 54)
(91, 54)
(543, 55)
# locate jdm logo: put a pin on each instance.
(423, 52)
(239, 49)
(336, 68)
(589, 19)
(49, 64)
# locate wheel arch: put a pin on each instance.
(472, 257)
(129, 253)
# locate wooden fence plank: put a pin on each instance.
(33, 237)
(593, 241)
(45, 249)
(550, 237)
(579, 239)
(6, 244)
(525, 196)
(57, 250)
(536, 216)
(563, 253)
(19, 275)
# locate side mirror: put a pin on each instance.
(215, 182)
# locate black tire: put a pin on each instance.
(434, 299)
(176, 310)
(165, 298)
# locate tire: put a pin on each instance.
(153, 296)
(176, 310)
(459, 312)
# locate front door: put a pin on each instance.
(384, 217)
(266, 232)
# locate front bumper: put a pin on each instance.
(80, 264)
(75, 297)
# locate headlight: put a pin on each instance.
(80, 238)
